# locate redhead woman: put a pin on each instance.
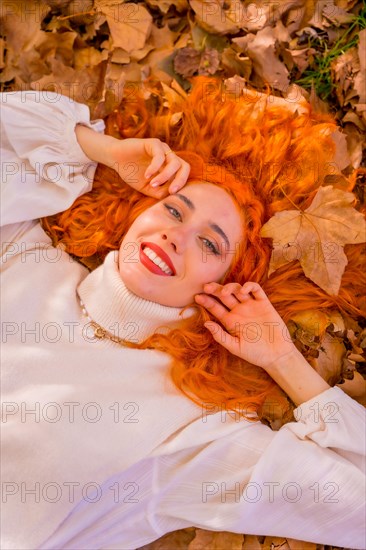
(143, 340)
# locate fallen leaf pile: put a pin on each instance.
(98, 52)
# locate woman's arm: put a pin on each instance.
(137, 161)
(50, 150)
(296, 377)
(304, 482)
(42, 165)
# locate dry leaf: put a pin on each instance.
(179, 540)
(84, 86)
(164, 5)
(88, 57)
(356, 388)
(236, 63)
(130, 24)
(360, 78)
(112, 94)
(341, 157)
(355, 143)
(187, 61)
(217, 17)
(22, 27)
(301, 545)
(251, 542)
(212, 540)
(261, 50)
(271, 543)
(316, 236)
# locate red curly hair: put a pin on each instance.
(268, 158)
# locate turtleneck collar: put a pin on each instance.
(113, 306)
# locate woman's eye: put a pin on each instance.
(173, 211)
(211, 246)
(176, 214)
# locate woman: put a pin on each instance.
(118, 407)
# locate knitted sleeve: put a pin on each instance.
(304, 482)
(43, 167)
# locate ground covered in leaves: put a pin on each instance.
(98, 52)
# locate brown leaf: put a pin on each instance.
(2, 51)
(217, 17)
(316, 236)
(120, 56)
(236, 63)
(165, 38)
(317, 104)
(58, 46)
(360, 78)
(314, 333)
(341, 157)
(187, 61)
(112, 93)
(351, 116)
(164, 5)
(129, 23)
(22, 27)
(251, 542)
(178, 540)
(261, 50)
(301, 545)
(84, 86)
(210, 62)
(355, 143)
(275, 542)
(212, 540)
(356, 388)
(343, 69)
(336, 14)
(301, 57)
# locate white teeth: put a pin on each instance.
(157, 260)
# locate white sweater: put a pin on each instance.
(113, 455)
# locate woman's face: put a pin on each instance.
(193, 234)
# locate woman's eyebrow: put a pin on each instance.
(213, 226)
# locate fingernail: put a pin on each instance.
(174, 189)
(148, 175)
(154, 183)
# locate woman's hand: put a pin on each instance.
(147, 165)
(254, 330)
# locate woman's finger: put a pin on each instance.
(212, 305)
(181, 177)
(228, 294)
(228, 341)
(255, 289)
(156, 149)
(172, 167)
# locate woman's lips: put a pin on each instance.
(150, 265)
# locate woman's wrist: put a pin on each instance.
(97, 147)
(296, 377)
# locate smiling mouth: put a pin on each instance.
(148, 258)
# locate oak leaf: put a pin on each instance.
(316, 236)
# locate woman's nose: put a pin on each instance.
(177, 238)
